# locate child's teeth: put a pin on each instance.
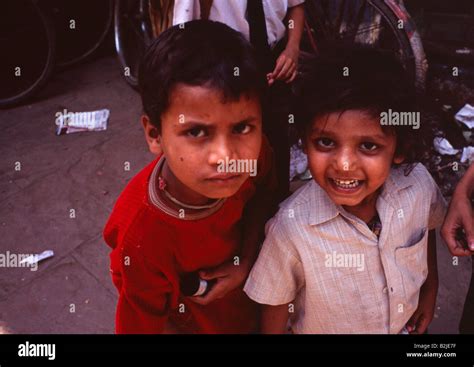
(347, 183)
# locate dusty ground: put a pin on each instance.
(86, 172)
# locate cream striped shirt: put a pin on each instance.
(338, 276)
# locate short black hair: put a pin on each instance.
(360, 77)
(198, 53)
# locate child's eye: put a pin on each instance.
(196, 132)
(242, 128)
(370, 147)
(324, 143)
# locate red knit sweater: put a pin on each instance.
(151, 249)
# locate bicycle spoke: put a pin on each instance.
(367, 37)
(369, 29)
(339, 16)
(323, 23)
(134, 28)
(357, 20)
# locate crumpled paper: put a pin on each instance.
(73, 122)
(467, 155)
(466, 116)
(443, 146)
(298, 161)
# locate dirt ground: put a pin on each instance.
(72, 292)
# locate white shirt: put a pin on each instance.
(339, 276)
(233, 13)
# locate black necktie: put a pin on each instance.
(258, 32)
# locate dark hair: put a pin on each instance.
(374, 81)
(198, 53)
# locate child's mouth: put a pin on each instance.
(224, 179)
(346, 185)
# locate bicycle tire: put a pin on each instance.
(447, 50)
(18, 88)
(133, 33)
(409, 47)
(410, 33)
(78, 44)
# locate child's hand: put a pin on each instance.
(286, 66)
(460, 215)
(229, 277)
(423, 315)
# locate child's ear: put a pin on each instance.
(152, 135)
(398, 159)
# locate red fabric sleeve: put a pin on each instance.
(145, 296)
(145, 292)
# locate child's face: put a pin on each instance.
(199, 132)
(350, 157)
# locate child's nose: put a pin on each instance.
(346, 160)
(221, 149)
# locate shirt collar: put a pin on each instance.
(322, 208)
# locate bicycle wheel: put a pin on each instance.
(133, 33)
(371, 22)
(433, 18)
(27, 41)
(81, 27)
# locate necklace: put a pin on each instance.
(162, 187)
(375, 225)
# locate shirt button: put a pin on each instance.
(385, 290)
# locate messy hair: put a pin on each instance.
(198, 53)
(357, 77)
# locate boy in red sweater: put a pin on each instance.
(199, 207)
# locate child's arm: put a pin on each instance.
(230, 276)
(278, 275)
(143, 310)
(144, 295)
(287, 63)
(423, 315)
(295, 31)
(460, 215)
(274, 319)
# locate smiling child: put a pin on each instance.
(353, 251)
